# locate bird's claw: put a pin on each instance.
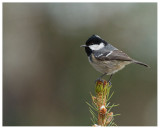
(109, 83)
(103, 81)
(99, 80)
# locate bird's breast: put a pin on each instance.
(109, 67)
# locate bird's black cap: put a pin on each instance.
(95, 39)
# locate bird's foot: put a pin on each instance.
(109, 83)
(99, 80)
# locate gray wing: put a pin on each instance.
(112, 55)
(104, 51)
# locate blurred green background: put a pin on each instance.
(47, 77)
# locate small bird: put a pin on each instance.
(105, 58)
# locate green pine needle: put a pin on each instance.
(107, 105)
(108, 91)
(116, 115)
(112, 106)
(92, 113)
(92, 107)
(110, 123)
(102, 97)
(110, 96)
(92, 121)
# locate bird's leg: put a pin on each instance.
(109, 80)
(100, 78)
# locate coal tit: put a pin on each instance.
(105, 58)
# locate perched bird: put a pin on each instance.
(105, 58)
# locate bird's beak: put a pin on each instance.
(83, 46)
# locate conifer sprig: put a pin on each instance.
(100, 107)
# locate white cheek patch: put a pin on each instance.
(96, 46)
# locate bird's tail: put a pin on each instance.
(140, 63)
